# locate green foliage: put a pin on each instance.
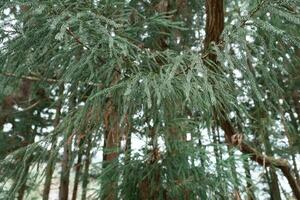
(103, 51)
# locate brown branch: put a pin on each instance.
(76, 38)
(261, 159)
(29, 77)
(48, 80)
(214, 29)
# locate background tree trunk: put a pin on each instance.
(87, 161)
(52, 160)
(77, 173)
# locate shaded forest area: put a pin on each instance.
(149, 99)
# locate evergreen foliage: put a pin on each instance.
(140, 101)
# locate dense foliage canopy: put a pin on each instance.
(149, 99)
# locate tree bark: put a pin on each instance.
(111, 147)
(65, 173)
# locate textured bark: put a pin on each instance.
(112, 134)
(110, 152)
(214, 28)
(214, 22)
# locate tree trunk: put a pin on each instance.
(65, 172)
(52, 161)
(66, 160)
(22, 190)
(77, 175)
(81, 141)
(273, 184)
(296, 172)
(49, 173)
(110, 151)
(214, 23)
(85, 176)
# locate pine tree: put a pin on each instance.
(154, 99)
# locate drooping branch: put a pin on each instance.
(236, 139)
(47, 80)
(214, 28)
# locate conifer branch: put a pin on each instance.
(48, 80)
(76, 38)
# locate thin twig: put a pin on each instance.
(48, 80)
(76, 38)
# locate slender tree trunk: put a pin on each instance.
(65, 172)
(81, 142)
(22, 190)
(273, 184)
(148, 187)
(66, 160)
(77, 175)
(49, 174)
(203, 169)
(51, 162)
(85, 176)
(111, 148)
(296, 171)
